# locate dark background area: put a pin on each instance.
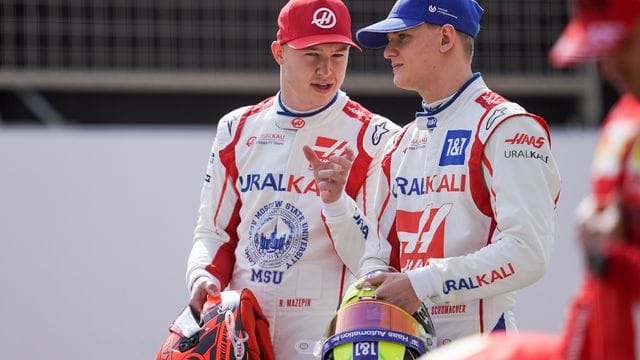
(136, 108)
(85, 37)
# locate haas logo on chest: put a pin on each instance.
(327, 147)
(421, 235)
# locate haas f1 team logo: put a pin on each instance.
(326, 147)
(324, 18)
(421, 235)
(526, 139)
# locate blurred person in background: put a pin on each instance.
(602, 318)
(467, 201)
(265, 223)
(601, 321)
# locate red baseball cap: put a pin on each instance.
(596, 27)
(305, 23)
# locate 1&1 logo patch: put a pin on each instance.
(367, 350)
(455, 145)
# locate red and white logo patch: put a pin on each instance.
(324, 18)
(298, 123)
(421, 235)
(326, 147)
(522, 139)
(490, 99)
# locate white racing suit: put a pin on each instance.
(261, 224)
(466, 207)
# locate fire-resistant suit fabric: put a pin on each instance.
(262, 225)
(466, 208)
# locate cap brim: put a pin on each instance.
(375, 36)
(309, 41)
(585, 41)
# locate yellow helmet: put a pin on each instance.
(365, 328)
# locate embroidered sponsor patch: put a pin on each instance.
(432, 122)
(325, 147)
(526, 154)
(278, 235)
(474, 282)
(526, 139)
(455, 145)
(429, 184)
(298, 123)
(379, 131)
(421, 235)
(267, 139)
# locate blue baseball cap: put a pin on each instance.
(463, 15)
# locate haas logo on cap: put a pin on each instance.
(324, 18)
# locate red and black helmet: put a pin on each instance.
(232, 328)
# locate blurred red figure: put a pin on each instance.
(601, 320)
(601, 324)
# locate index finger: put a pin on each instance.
(311, 156)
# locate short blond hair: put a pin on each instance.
(468, 42)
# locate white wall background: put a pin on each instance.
(96, 224)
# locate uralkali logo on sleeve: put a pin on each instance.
(473, 282)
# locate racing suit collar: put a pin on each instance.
(286, 118)
(432, 107)
(428, 119)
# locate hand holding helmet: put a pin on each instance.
(231, 326)
(202, 288)
(365, 327)
(395, 288)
